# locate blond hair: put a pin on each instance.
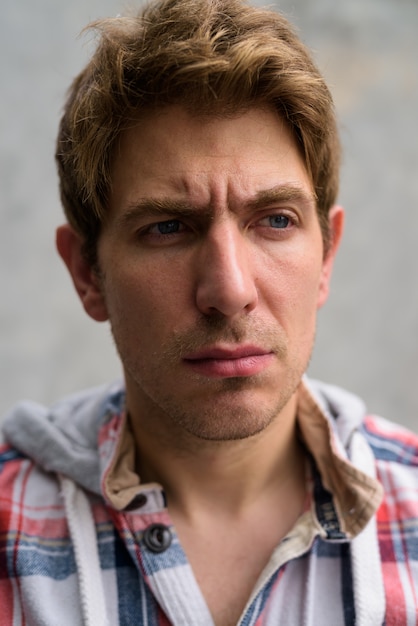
(215, 57)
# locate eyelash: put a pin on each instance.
(182, 228)
(166, 223)
(290, 220)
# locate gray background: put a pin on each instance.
(368, 50)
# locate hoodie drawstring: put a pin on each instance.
(83, 534)
(369, 590)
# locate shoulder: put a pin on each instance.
(26, 490)
(11, 462)
(391, 442)
(395, 450)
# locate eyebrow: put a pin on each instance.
(281, 194)
(150, 207)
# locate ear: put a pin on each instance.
(336, 227)
(85, 279)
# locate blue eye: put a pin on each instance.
(169, 227)
(279, 221)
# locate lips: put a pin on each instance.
(229, 362)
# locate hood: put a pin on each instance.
(64, 437)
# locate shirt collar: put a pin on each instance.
(353, 495)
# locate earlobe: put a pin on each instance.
(336, 228)
(85, 279)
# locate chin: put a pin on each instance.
(232, 417)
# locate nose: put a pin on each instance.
(226, 284)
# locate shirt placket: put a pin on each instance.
(150, 538)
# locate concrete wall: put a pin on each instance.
(367, 337)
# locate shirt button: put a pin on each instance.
(157, 538)
(139, 501)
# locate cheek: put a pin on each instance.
(146, 304)
(291, 286)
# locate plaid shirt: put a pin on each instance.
(352, 557)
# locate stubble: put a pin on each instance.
(168, 398)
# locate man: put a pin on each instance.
(198, 159)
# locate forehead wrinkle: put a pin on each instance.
(234, 201)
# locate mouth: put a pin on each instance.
(229, 362)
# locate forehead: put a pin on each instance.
(206, 159)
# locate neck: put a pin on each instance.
(227, 476)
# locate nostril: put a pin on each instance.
(226, 297)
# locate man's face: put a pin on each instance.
(212, 270)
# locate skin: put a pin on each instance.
(201, 253)
(211, 272)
